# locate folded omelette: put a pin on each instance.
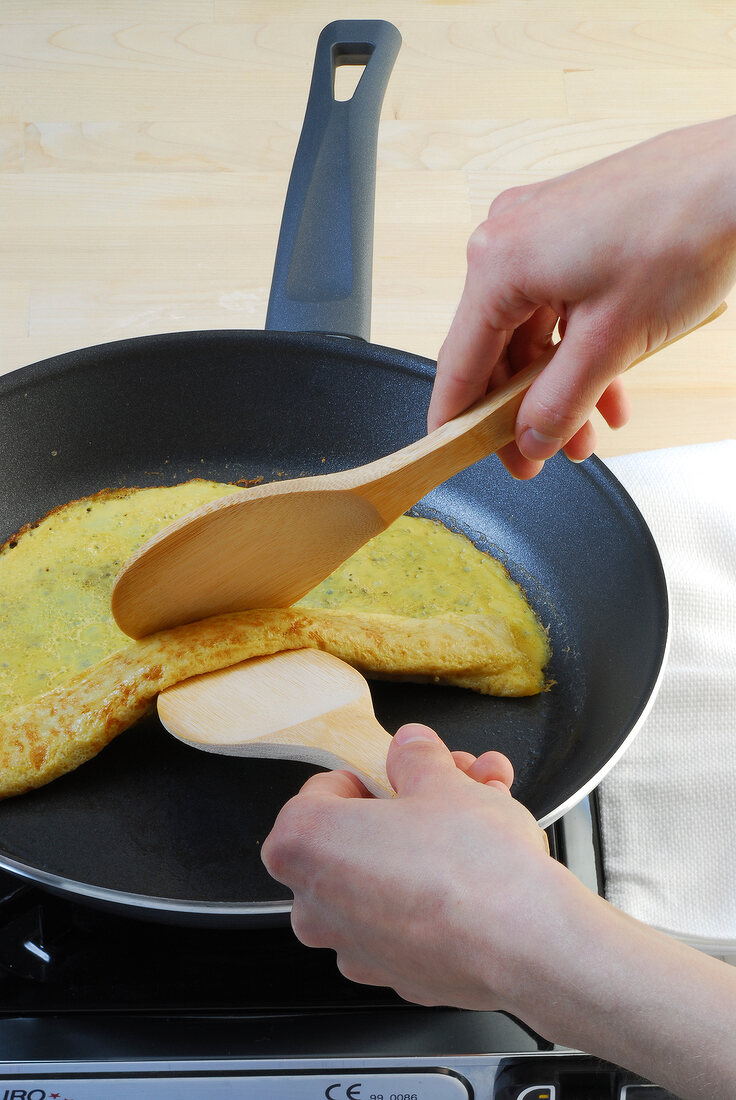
(417, 602)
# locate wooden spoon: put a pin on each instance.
(299, 705)
(270, 545)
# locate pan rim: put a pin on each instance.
(118, 898)
(582, 793)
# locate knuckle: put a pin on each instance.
(494, 272)
(490, 247)
(359, 972)
(508, 199)
(307, 927)
(274, 858)
(480, 244)
(286, 849)
(419, 996)
(561, 414)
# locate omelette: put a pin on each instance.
(417, 602)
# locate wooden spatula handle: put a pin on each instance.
(366, 758)
(412, 472)
(354, 742)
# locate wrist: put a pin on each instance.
(547, 932)
(607, 984)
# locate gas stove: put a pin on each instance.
(96, 1006)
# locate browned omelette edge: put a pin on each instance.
(61, 729)
(111, 494)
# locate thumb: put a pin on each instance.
(562, 398)
(418, 759)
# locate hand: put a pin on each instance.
(441, 872)
(624, 253)
(447, 895)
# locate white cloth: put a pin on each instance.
(668, 808)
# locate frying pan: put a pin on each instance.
(155, 829)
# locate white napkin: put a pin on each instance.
(668, 808)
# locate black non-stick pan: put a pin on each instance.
(157, 829)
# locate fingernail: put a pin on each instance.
(536, 445)
(407, 734)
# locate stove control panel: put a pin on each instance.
(542, 1077)
(356, 1085)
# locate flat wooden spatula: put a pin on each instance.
(270, 545)
(298, 705)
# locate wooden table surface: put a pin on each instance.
(145, 148)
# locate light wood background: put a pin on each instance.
(145, 147)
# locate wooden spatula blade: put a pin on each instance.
(301, 705)
(262, 547)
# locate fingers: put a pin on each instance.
(615, 408)
(492, 767)
(582, 444)
(555, 412)
(463, 760)
(305, 815)
(532, 339)
(517, 465)
(489, 311)
(464, 364)
(335, 784)
(614, 404)
(558, 404)
(418, 760)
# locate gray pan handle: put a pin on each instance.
(324, 260)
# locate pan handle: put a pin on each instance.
(324, 260)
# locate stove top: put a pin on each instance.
(94, 1004)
